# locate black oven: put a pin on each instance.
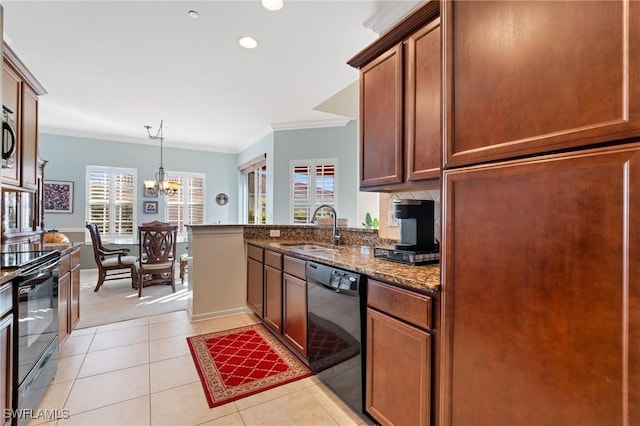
(36, 324)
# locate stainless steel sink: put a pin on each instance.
(309, 247)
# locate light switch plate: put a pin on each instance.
(274, 232)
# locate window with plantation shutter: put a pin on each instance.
(313, 183)
(186, 206)
(111, 201)
(254, 197)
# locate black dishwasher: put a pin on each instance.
(336, 329)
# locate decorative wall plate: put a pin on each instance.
(222, 199)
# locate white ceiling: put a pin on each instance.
(111, 67)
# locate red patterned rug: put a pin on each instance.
(243, 361)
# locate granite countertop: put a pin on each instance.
(7, 275)
(64, 248)
(360, 259)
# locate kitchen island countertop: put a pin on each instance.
(360, 259)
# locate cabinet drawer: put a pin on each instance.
(6, 302)
(255, 252)
(295, 267)
(273, 259)
(406, 305)
(65, 264)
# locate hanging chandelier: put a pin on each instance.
(162, 184)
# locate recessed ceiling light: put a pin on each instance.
(273, 4)
(193, 14)
(247, 42)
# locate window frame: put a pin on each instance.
(254, 166)
(312, 164)
(184, 177)
(110, 236)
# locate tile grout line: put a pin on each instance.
(149, 370)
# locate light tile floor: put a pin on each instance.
(140, 372)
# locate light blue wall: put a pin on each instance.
(68, 157)
(262, 146)
(329, 142)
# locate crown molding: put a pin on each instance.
(314, 124)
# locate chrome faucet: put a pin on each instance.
(334, 232)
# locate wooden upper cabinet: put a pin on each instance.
(400, 111)
(525, 77)
(29, 171)
(423, 116)
(381, 120)
(11, 95)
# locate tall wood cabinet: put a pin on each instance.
(400, 104)
(541, 284)
(529, 77)
(542, 291)
(22, 183)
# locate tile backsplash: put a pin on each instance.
(391, 231)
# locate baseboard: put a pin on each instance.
(216, 314)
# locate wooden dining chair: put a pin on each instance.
(113, 264)
(157, 241)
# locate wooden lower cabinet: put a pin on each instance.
(273, 297)
(295, 312)
(255, 286)
(74, 309)
(64, 291)
(398, 366)
(541, 291)
(68, 292)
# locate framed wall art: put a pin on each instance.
(58, 196)
(150, 207)
(151, 192)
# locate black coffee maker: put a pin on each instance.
(416, 225)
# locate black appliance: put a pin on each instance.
(417, 244)
(416, 224)
(8, 138)
(336, 330)
(35, 299)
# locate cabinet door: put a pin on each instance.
(528, 77)
(64, 282)
(423, 116)
(11, 93)
(541, 291)
(6, 368)
(29, 142)
(381, 120)
(273, 298)
(398, 371)
(295, 312)
(254, 286)
(74, 297)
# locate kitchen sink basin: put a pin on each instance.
(309, 247)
